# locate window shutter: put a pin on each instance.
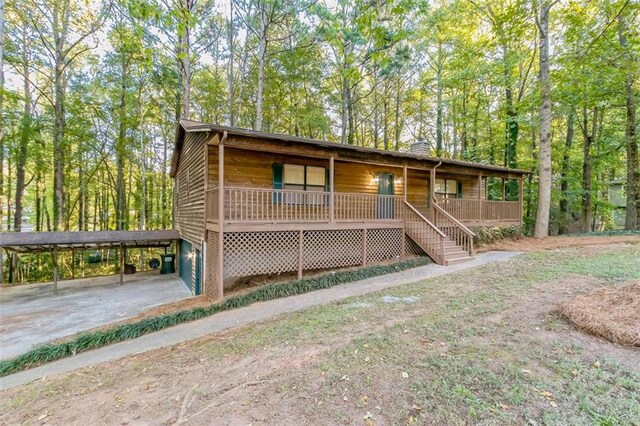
(277, 181)
(459, 195)
(327, 186)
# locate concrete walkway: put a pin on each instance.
(236, 317)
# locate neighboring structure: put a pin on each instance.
(618, 199)
(288, 204)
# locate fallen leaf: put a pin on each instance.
(546, 394)
(42, 417)
(405, 375)
(553, 404)
(343, 378)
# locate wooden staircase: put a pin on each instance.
(448, 244)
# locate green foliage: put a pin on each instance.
(92, 340)
(490, 234)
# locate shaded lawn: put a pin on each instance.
(480, 346)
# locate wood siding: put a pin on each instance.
(189, 186)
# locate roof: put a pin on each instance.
(189, 126)
(34, 242)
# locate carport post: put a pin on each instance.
(121, 264)
(54, 257)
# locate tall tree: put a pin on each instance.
(630, 67)
(544, 169)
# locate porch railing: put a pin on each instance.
(275, 205)
(367, 207)
(481, 210)
(281, 205)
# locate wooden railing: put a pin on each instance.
(480, 210)
(367, 207)
(275, 205)
(211, 204)
(424, 233)
(279, 205)
(453, 229)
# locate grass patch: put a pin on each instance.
(96, 339)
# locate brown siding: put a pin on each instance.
(358, 177)
(418, 189)
(189, 210)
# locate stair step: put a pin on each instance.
(449, 262)
(456, 254)
(451, 249)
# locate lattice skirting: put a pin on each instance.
(212, 288)
(260, 253)
(410, 247)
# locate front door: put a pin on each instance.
(385, 204)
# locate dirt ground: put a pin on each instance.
(481, 346)
(530, 244)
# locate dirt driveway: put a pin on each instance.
(480, 346)
(32, 315)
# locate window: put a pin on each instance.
(448, 188)
(294, 177)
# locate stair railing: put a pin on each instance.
(424, 233)
(453, 228)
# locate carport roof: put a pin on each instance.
(35, 242)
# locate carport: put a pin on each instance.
(54, 242)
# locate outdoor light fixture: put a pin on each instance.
(376, 179)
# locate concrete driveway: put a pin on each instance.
(31, 315)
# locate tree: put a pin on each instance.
(544, 171)
(630, 67)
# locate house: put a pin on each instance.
(252, 203)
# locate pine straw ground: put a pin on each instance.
(611, 312)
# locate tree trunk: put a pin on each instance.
(262, 56)
(541, 229)
(633, 170)
(1, 121)
(344, 118)
(25, 134)
(120, 150)
(564, 173)
(58, 139)
(439, 112)
(230, 30)
(586, 169)
(185, 59)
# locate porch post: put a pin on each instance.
(300, 253)
(480, 206)
(504, 183)
(404, 181)
(331, 191)
(404, 193)
(520, 199)
(219, 291)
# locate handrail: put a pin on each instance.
(453, 219)
(435, 228)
